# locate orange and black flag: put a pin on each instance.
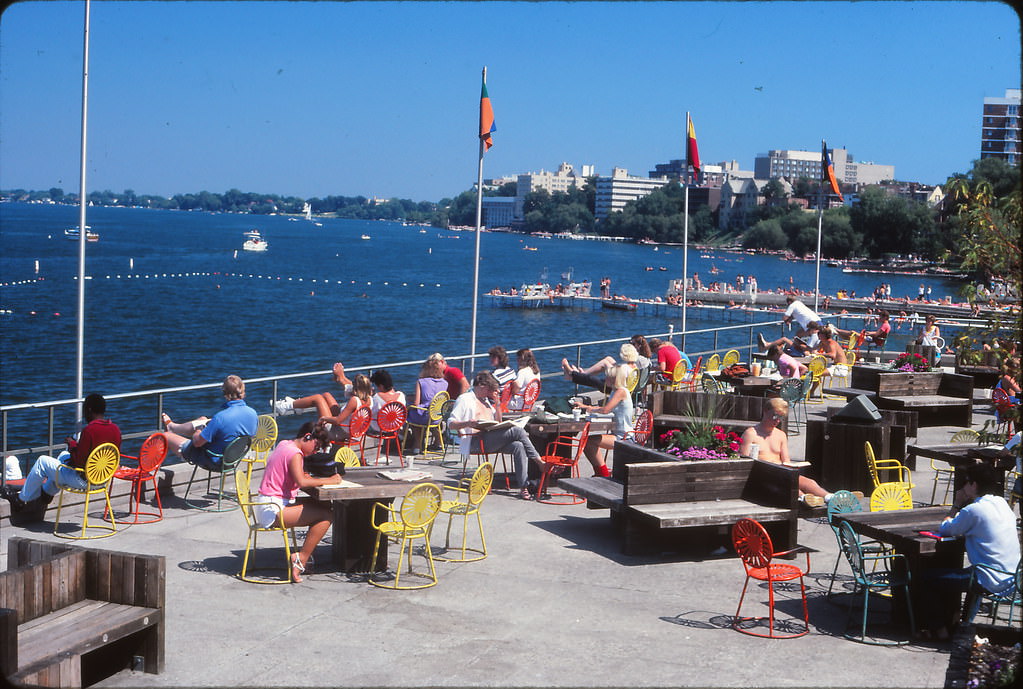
(692, 154)
(487, 124)
(828, 171)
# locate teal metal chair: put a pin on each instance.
(845, 502)
(233, 454)
(875, 582)
(977, 594)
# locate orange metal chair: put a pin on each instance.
(692, 378)
(643, 427)
(390, 420)
(150, 458)
(554, 462)
(528, 395)
(756, 551)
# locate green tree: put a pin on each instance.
(891, 224)
(766, 234)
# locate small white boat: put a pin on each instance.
(254, 241)
(73, 234)
(366, 236)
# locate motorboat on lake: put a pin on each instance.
(254, 241)
(73, 234)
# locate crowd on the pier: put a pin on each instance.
(478, 407)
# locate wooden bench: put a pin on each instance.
(678, 409)
(658, 495)
(70, 615)
(940, 398)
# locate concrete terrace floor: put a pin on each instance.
(554, 604)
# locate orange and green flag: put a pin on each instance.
(487, 124)
(828, 171)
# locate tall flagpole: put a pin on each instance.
(820, 219)
(476, 261)
(685, 231)
(80, 360)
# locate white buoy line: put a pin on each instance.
(217, 274)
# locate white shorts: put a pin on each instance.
(839, 370)
(265, 510)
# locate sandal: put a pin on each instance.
(524, 494)
(166, 421)
(297, 568)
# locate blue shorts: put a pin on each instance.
(200, 456)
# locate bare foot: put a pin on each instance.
(567, 368)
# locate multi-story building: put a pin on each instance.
(564, 179)
(713, 175)
(612, 193)
(795, 164)
(739, 198)
(498, 211)
(1000, 128)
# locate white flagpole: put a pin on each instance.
(80, 360)
(820, 219)
(476, 261)
(685, 231)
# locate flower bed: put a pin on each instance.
(700, 443)
(911, 363)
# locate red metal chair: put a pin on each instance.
(528, 395)
(150, 458)
(1003, 407)
(692, 378)
(506, 395)
(643, 427)
(390, 420)
(756, 551)
(358, 425)
(573, 446)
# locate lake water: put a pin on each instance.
(195, 306)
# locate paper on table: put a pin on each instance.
(343, 484)
(404, 475)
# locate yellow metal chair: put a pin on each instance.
(470, 495)
(664, 381)
(246, 501)
(347, 457)
(262, 443)
(730, 357)
(876, 466)
(409, 523)
(99, 470)
(434, 421)
(891, 496)
(816, 369)
(632, 381)
(713, 365)
(946, 473)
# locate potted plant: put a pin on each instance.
(910, 363)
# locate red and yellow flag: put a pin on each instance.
(692, 154)
(487, 124)
(828, 171)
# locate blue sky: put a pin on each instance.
(381, 99)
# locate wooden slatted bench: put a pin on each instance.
(652, 496)
(939, 397)
(68, 614)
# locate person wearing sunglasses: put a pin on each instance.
(278, 503)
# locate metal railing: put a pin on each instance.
(143, 413)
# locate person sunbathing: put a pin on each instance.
(772, 445)
(324, 402)
(587, 377)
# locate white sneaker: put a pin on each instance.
(284, 407)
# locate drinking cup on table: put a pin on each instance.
(411, 461)
(756, 368)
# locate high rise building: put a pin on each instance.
(795, 164)
(1000, 128)
(612, 193)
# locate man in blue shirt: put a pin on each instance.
(207, 444)
(987, 524)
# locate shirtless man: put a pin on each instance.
(833, 351)
(773, 446)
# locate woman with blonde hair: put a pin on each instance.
(619, 405)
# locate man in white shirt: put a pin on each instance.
(799, 312)
(481, 404)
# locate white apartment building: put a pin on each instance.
(999, 136)
(795, 164)
(612, 193)
(564, 179)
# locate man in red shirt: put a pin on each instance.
(458, 384)
(668, 355)
(48, 475)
